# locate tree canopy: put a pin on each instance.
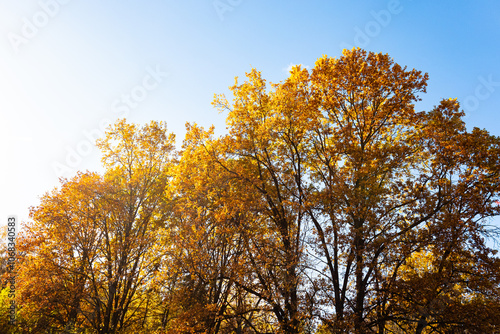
(330, 205)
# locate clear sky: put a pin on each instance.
(69, 67)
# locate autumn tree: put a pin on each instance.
(209, 256)
(137, 162)
(390, 179)
(203, 255)
(342, 151)
(264, 153)
(92, 244)
(61, 245)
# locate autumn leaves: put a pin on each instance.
(328, 201)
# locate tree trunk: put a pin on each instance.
(360, 285)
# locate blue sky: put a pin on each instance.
(69, 67)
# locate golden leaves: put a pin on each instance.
(329, 194)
